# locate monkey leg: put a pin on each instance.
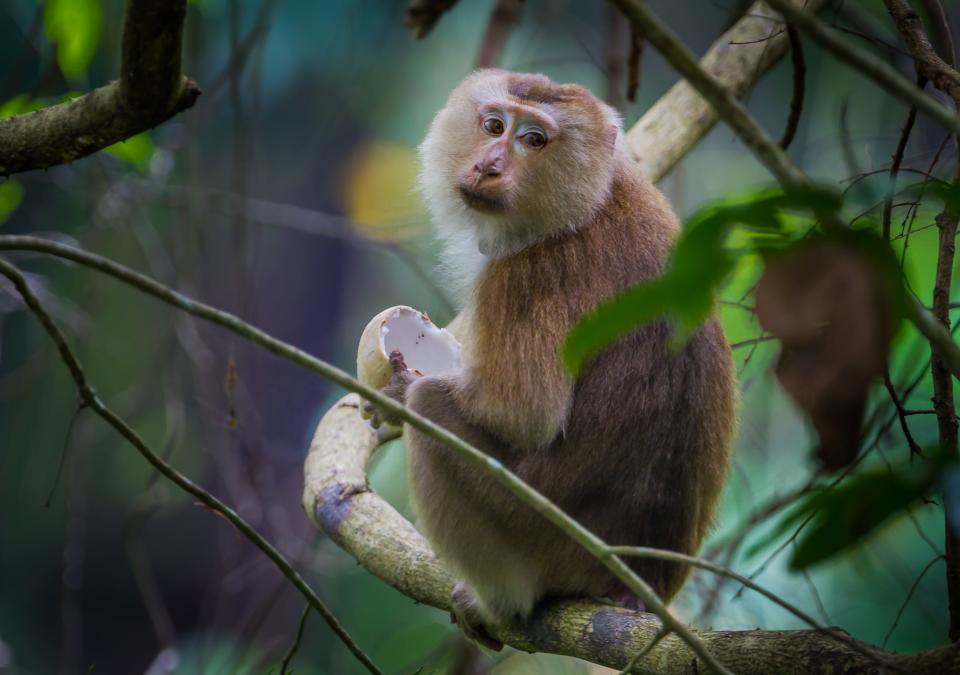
(478, 528)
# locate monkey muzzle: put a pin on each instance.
(485, 185)
(481, 199)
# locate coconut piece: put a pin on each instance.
(426, 349)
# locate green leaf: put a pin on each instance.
(851, 512)
(137, 150)
(698, 264)
(842, 517)
(74, 26)
(18, 105)
(11, 194)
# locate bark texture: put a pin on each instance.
(739, 57)
(151, 89)
(339, 500)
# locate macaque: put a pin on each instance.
(543, 216)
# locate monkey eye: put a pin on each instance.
(493, 126)
(534, 139)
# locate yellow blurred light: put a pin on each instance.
(379, 191)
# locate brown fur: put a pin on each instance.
(636, 449)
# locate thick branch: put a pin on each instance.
(90, 399)
(928, 62)
(738, 58)
(151, 89)
(338, 498)
(944, 405)
(869, 65)
(577, 532)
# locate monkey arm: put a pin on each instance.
(478, 528)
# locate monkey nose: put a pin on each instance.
(487, 169)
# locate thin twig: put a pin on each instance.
(672, 556)
(96, 405)
(906, 227)
(768, 152)
(799, 86)
(906, 600)
(945, 78)
(915, 450)
(869, 65)
(638, 657)
(633, 65)
(584, 537)
(752, 341)
(897, 161)
(296, 641)
(63, 454)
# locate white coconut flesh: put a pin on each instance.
(426, 349)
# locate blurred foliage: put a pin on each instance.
(74, 26)
(699, 263)
(137, 150)
(11, 194)
(379, 191)
(841, 517)
(18, 105)
(309, 146)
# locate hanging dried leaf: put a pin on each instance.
(830, 306)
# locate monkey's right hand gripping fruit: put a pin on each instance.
(399, 345)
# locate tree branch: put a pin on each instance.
(944, 77)
(340, 501)
(866, 63)
(151, 89)
(766, 150)
(736, 60)
(577, 532)
(92, 401)
(928, 62)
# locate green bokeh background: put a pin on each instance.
(203, 203)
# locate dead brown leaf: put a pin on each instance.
(830, 307)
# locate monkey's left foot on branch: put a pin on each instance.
(629, 600)
(464, 611)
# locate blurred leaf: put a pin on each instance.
(831, 301)
(19, 105)
(11, 194)
(137, 150)
(379, 191)
(74, 26)
(843, 516)
(699, 263)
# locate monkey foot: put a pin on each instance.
(629, 600)
(464, 611)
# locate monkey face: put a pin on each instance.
(507, 140)
(514, 158)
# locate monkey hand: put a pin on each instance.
(397, 390)
(465, 613)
